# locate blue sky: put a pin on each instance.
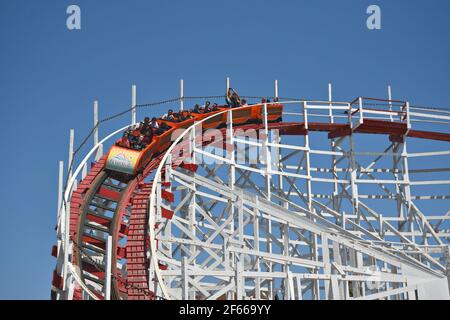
(49, 77)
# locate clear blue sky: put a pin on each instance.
(49, 77)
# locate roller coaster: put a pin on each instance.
(290, 199)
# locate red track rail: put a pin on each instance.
(137, 262)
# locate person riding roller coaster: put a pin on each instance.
(146, 139)
(233, 99)
(162, 128)
(124, 142)
(207, 107)
(145, 126)
(154, 123)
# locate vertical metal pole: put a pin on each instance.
(231, 155)
(276, 154)
(60, 187)
(353, 178)
(390, 102)
(133, 104)
(67, 247)
(299, 288)
(308, 172)
(227, 85)
(333, 148)
(239, 280)
(330, 98)
(267, 152)
(71, 142)
(268, 190)
(108, 269)
(284, 231)
(290, 286)
(307, 157)
(327, 263)
(240, 283)
(330, 92)
(232, 167)
(99, 152)
(338, 259)
(361, 116)
(305, 115)
(407, 189)
(192, 142)
(181, 95)
(446, 255)
(95, 122)
(396, 159)
(408, 120)
(66, 221)
(406, 181)
(184, 279)
(256, 247)
(84, 171)
(276, 90)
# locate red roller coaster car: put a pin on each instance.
(131, 162)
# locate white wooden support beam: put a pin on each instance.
(67, 246)
(239, 280)
(99, 152)
(408, 118)
(231, 153)
(334, 283)
(390, 102)
(70, 287)
(299, 288)
(361, 115)
(71, 144)
(181, 95)
(158, 198)
(290, 286)
(256, 247)
(353, 178)
(60, 189)
(184, 279)
(307, 158)
(95, 135)
(276, 90)
(268, 158)
(327, 262)
(133, 104)
(330, 99)
(84, 171)
(192, 142)
(305, 114)
(109, 248)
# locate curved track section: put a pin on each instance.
(332, 209)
